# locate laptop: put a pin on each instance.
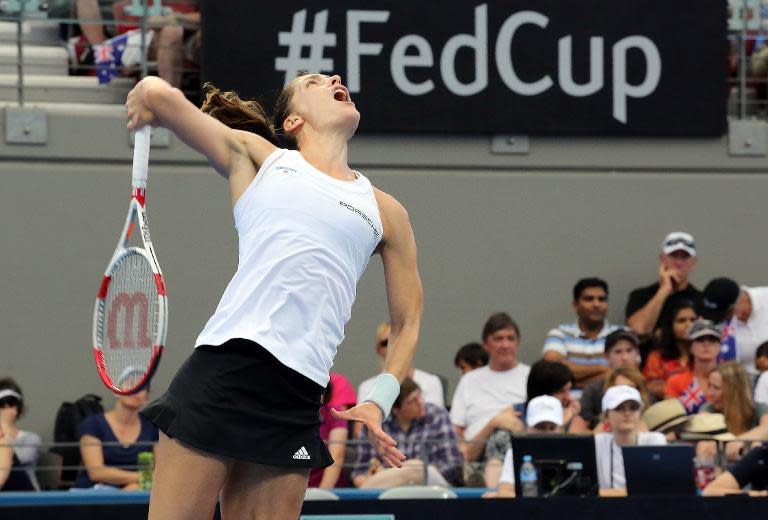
(565, 463)
(659, 470)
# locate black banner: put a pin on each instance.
(537, 67)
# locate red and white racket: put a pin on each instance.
(130, 319)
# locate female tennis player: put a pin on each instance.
(240, 418)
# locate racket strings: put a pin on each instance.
(130, 320)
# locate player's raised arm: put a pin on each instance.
(154, 102)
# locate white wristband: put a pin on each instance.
(385, 390)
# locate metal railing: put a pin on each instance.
(51, 471)
(747, 27)
(143, 13)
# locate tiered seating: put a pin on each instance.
(46, 70)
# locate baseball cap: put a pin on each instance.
(618, 394)
(718, 297)
(544, 408)
(679, 241)
(701, 328)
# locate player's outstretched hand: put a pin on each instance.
(370, 415)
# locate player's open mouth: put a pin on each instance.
(340, 94)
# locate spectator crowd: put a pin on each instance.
(687, 366)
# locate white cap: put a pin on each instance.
(679, 241)
(616, 395)
(544, 408)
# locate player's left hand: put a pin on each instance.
(370, 415)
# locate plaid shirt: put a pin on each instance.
(434, 431)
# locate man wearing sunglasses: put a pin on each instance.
(649, 306)
(430, 384)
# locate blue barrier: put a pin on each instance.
(108, 496)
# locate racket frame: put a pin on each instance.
(137, 212)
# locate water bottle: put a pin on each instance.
(146, 465)
(529, 480)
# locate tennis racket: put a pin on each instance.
(130, 318)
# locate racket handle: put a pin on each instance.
(141, 157)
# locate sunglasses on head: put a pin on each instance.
(9, 401)
(676, 241)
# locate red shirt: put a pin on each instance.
(686, 388)
(659, 369)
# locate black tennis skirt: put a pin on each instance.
(237, 400)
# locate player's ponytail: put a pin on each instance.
(247, 115)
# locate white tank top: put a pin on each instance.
(305, 240)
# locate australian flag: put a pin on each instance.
(121, 51)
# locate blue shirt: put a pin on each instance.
(115, 455)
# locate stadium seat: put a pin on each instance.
(320, 494)
(407, 492)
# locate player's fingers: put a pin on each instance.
(394, 458)
(344, 415)
(384, 438)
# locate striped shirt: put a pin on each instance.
(569, 341)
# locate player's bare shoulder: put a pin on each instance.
(394, 218)
(249, 153)
(256, 147)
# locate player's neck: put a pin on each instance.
(328, 153)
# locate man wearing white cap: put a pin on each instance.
(623, 405)
(648, 306)
(544, 414)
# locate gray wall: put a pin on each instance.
(495, 232)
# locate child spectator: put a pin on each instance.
(470, 357)
(19, 449)
(673, 350)
(622, 405)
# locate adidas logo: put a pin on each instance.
(301, 454)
